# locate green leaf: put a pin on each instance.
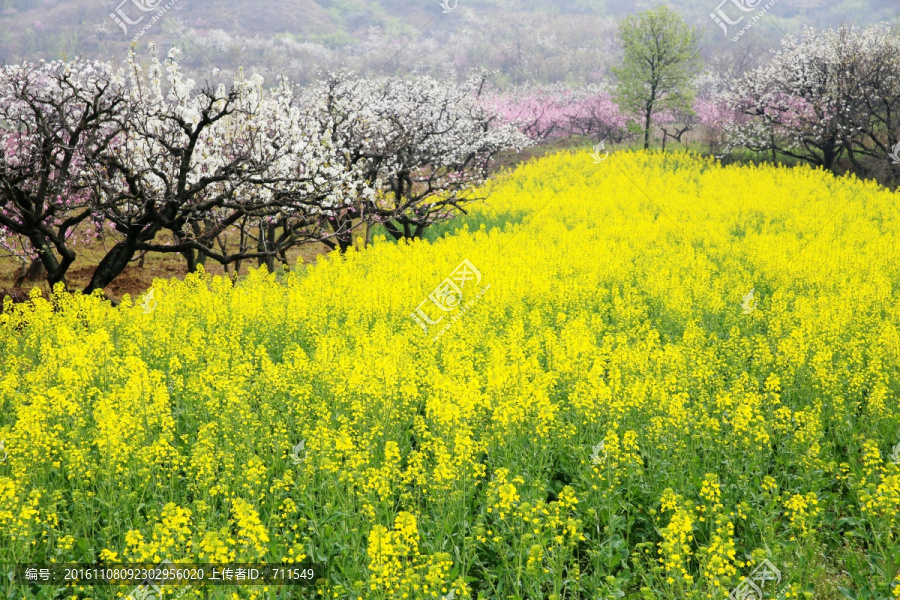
(847, 592)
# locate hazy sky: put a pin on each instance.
(32, 29)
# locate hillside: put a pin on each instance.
(333, 32)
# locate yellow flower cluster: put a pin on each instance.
(802, 511)
(677, 538)
(717, 559)
(397, 568)
(171, 537)
(879, 490)
(502, 494)
(251, 534)
(711, 494)
(17, 517)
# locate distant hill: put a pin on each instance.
(301, 35)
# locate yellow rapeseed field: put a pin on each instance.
(662, 372)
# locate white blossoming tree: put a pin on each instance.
(229, 171)
(199, 162)
(823, 96)
(422, 144)
(53, 116)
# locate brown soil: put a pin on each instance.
(136, 280)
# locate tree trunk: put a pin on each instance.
(392, 229)
(829, 156)
(344, 243)
(190, 256)
(112, 264)
(647, 118)
(343, 237)
(265, 243)
(54, 270)
(201, 257)
(32, 274)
